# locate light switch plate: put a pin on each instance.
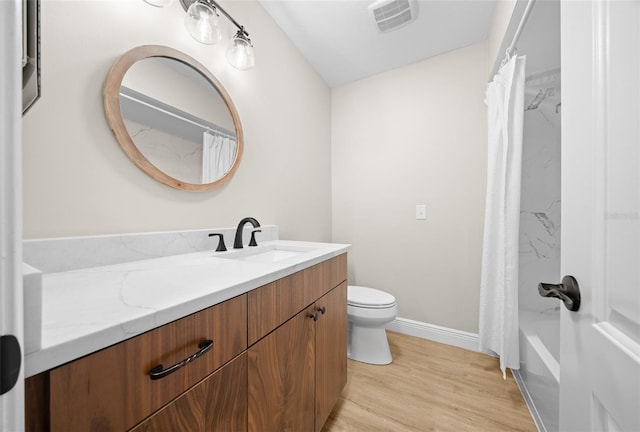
(421, 211)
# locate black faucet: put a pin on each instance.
(221, 246)
(237, 243)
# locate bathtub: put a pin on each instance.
(539, 374)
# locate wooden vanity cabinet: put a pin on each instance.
(296, 373)
(278, 363)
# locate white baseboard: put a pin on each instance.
(458, 338)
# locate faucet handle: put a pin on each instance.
(221, 246)
(253, 242)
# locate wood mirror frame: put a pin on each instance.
(111, 94)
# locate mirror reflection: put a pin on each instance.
(173, 119)
(183, 128)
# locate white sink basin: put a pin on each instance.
(266, 254)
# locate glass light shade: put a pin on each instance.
(159, 3)
(202, 23)
(240, 52)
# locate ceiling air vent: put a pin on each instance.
(392, 14)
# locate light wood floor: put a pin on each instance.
(429, 387)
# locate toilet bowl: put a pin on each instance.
(368, 311)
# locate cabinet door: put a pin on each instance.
(331, 351)
(281, 377)
(218, 403)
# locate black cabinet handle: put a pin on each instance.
(314, 316)
(158, 372)
(322, 309)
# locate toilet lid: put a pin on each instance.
(368, 297)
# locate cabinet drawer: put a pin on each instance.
(218, 403)
(111, 390)
(271, 305)
(334, 272)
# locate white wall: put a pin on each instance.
(77, 180)
(415, 135)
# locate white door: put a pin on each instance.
(600, 343)
(11, 370)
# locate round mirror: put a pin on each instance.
(173, 118)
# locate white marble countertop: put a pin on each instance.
(89, 309)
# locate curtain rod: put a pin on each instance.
(521, 25)
(161, 107)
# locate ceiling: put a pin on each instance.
(341, 41)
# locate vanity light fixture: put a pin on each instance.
(240, 53)
(202, 23)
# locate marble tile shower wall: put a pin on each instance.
(540, 194)
(173, 148)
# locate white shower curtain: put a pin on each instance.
(218, 154)
(499, 280)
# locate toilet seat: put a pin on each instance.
(370, 298)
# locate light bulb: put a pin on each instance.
(240, 53)
(202, 23)
(204, 28)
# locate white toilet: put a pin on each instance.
(368, 311)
